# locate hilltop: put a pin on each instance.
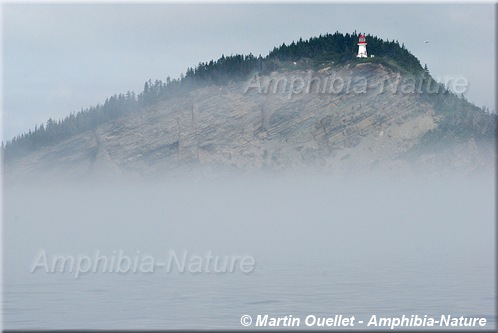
(217, 117)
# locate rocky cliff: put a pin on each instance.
(343, 120)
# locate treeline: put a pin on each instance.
(341, 48)
(225, 69)
(234, 67)
(459, 120)
(84, 120)
(338, 48)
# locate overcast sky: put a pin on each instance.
(59, 58)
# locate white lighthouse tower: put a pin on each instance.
(362, 47)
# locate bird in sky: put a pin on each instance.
(426, 42)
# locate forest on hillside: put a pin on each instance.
(328, 49)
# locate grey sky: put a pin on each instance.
(58, 58)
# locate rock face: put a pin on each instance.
(336, 120)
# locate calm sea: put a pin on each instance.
(321, 248)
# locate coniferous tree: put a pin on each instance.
(336, 48)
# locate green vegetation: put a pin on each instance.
(340, 48)
(458, 120)
(316, 52)
(55, 131)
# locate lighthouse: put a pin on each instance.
(362, 47)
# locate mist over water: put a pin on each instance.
(321, 245)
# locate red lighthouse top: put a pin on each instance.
(362, 39)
